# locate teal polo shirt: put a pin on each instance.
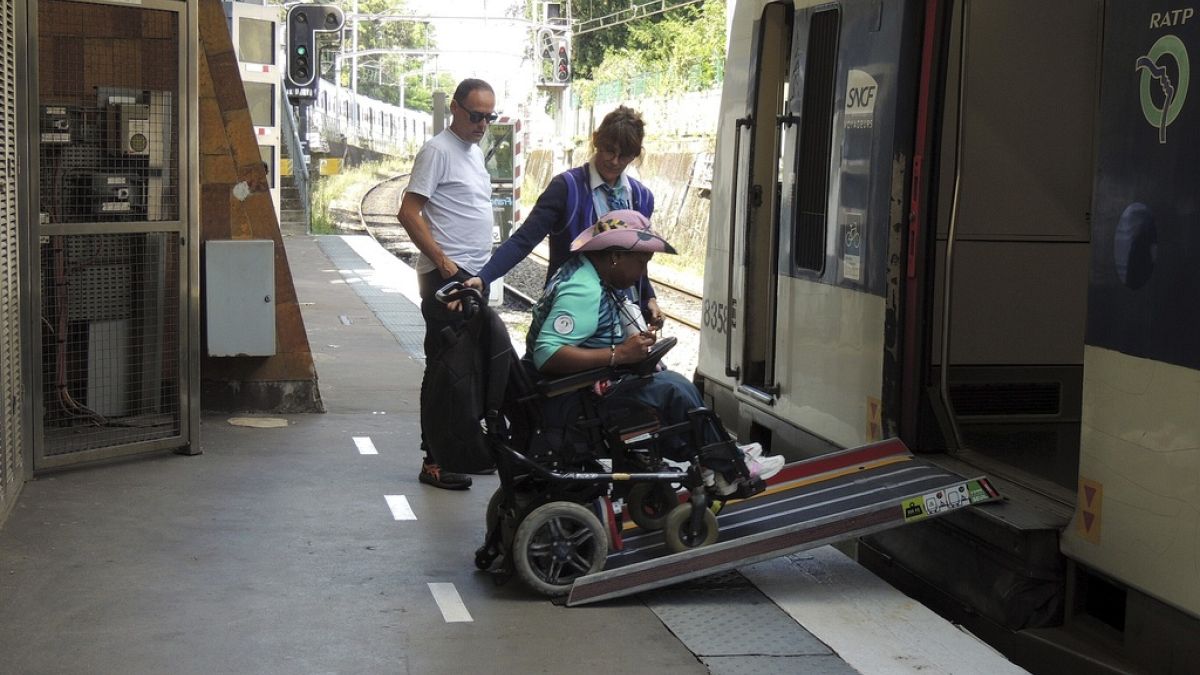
(575, 310)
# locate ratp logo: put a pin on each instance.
(1155, 69)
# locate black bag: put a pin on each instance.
(461, 382)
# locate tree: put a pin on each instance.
(689, 40)
(679, 50)
(380, 75)
(589, 49)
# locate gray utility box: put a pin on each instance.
(240, 297)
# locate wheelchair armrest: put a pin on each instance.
(573, 382)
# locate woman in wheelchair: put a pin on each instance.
(578, 325)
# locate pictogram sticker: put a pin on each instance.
(874, 419)
(1091, 503)
(948, 499)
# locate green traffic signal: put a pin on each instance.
(301, 50)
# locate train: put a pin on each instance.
(973, 225)
(369, 123)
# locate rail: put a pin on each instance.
(660, 284)
(362, 200)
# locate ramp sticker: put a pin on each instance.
(1091, 500)
(874, 419)
(947, 499)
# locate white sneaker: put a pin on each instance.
(765, 467)
(751, 451)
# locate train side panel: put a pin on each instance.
(1138, 516)
(831, 371)
(1138, 512)
(824, 324)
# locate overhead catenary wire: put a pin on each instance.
(631, 13)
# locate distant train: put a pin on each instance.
(369, 123)
(975, 225)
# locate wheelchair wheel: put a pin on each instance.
(678, 529)
(650, 503)
(556, 544)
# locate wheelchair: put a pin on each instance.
(552, 520)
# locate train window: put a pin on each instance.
(812, 170)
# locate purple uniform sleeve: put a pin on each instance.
(546, 216)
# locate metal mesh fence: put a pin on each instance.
(110, 204)
(110, 338)
(108, 78)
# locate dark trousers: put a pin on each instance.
(437, 317)
(668, 392)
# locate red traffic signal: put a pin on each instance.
(562, 67)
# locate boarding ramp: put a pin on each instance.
(811, 503)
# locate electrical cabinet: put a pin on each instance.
(240, 297)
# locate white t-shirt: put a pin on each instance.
(449, 172)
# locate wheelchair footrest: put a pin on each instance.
(748, 489)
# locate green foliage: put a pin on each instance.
(418, 94)
(335, 198)
(681, 50)
(380, 75)
(590, 49)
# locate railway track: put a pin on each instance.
(377, 216)
(678, 304)
(523, 284)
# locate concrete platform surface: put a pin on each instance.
(297, 550)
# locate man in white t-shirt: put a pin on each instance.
(447, 212)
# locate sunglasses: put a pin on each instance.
(477, 117)
(615, 155)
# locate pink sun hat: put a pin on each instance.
(621, 230)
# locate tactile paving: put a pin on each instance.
(729, 579)
(731, 621)
(397, 313)
(816, 664)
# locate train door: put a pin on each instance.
(1010, 261)
(756, 209)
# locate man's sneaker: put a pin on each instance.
(432, 474)
(751, 451)
(765, 467)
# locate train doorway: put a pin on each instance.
(1010, 261)
(756, 219)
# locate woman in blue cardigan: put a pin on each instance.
(577, 198)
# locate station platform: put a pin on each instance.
(310, 547)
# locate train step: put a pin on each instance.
(808, 504)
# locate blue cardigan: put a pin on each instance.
(562, 211)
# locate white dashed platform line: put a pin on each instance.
(365, 445)
(448, 600)
(400, 508)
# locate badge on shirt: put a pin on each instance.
(564, 324)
